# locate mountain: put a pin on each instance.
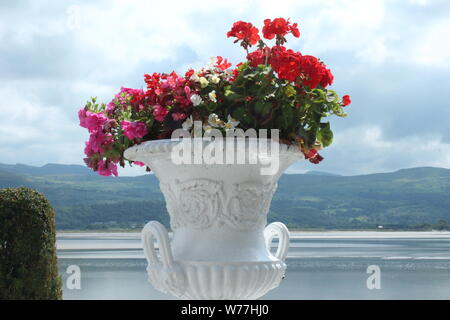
(8, 179)
(48, 169)
(417, 198)
(321, 173)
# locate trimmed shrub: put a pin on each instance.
(28, 264)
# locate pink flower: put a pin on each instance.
(133, 130)
(82, 115)
(138, 163)
(187, 91)
(124, 99)
(89, 149)
(97, 143)
(106, 168)
(91, 120)
(110, 107)
(131, 91)
(91, 163)
(178, 116)
(160, 113)
(109, 124)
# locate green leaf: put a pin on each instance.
(320, 95)
(324, 134)
(309, 135)
(262, 107)
(290, 91)
(331, 96)
(211, 106)
(233, 96)
(241, 114)
(286, 118)
(149, 122)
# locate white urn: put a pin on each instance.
(220, 247)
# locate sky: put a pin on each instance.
(391, 57)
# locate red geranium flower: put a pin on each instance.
(327, 78)
(313, 72)
(294, 30)
(286, 63)
(346, 100)
(222, 63)
(257, 57)
(189, 73)
(279, 27)
(318, 158)
(235, 72)
(313, 156)
(244, 31)
(293, 66)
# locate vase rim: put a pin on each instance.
(164, 146)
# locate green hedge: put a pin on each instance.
(28, 264)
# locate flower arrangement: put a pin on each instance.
(274, 88)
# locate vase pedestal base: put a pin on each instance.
(213, 280)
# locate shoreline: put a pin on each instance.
(291, 230)
(294, 234)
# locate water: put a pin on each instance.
(321, 265)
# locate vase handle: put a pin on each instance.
(155, 230)
(280, 230)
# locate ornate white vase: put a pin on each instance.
(218, 214)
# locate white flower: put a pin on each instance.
(212, 96)
(187, 124)
(231, 123)
(196, 100)
(214, 79)
(195, 77)
(214, 121)
(203, 82)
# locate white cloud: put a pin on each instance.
(420, 2)
(374, 52)
(432, 47)
(126, 33)
(343, 25)
(25, 120)
(365, 149)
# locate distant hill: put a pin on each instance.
(417, 198)
(321, 173)
(48, 169)
(8, 179)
